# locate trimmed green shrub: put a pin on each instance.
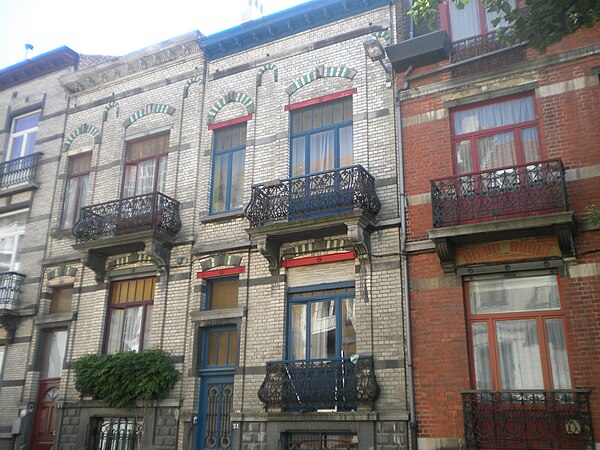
(123, 378)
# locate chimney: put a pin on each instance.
(252, 10)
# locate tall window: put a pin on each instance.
(12, 229)
(220, 347)
(472, 20)
(77, 185)
(22, 135)
(223, 293)
(517, 334)
(321, 324)
(146, 166)
(229, 157)
(130, 315)
(495, 135)
(321, 137)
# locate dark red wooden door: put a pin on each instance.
(44, 425)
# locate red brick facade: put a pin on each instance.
(564, 84)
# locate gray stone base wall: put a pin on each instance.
(391, 435)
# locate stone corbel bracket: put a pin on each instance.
(359, 235)
(270, 247)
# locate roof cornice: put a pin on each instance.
(125, 66)
(283, 24)
(37, 67)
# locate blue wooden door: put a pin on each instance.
(214, 423)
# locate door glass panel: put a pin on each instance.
(557, 350)
(145, 183)
(531, 146)
(463, 157)
(298, 332)
(322, 151)
(133, 329)
(481, 355)
(298, 156)
(348, 331)
(322, 330)
(115, 331)
(54, 354)
(130, 179)
(30, 144)
(514, 295)
(519, 354)
(219, 183)
(465, 21)
(346, 146)
(497, 150)
(17, 145)
(237, 179)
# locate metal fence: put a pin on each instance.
(19, 170)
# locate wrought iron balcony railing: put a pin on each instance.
(475, 46)
(527, 189)
(332, 384)
(154, 211)
(10, 289)
(19, 170)
(528, 419)
(322, 193)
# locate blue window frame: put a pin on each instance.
(321, 322)
(229, 153)
(321, 137)
(220, 348)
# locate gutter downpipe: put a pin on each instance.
(404, 263)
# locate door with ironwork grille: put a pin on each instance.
(214, 423)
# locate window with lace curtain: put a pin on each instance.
(130, 315)
(77, 186)
(517, 334)
(146, 166)
(494, 135)
(472, 20)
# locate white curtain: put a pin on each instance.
(490, 16)
(464, 22)
(132, 329)
(54, 354)
(481, 355)
(494, 115)
(298, 332)
(519, 354)
(115, 331)
(322, 339)
(146, 171)
(322, 151)
(558, 354)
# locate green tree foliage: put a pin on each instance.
(122, 378)
(540, 23)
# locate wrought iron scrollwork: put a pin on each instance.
(528, 419)
(10, 289)
(500, 193)
(313, 195)
(118, 433)
(19, 170)
(153, 211)
(336, 384)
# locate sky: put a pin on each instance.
(111, 27)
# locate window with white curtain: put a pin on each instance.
(130, 315)
(495, 135)
(517, 334)
(77, 186)
(321, 137)
(146, 166)
(321, 324)
(12, 228)
(473, 20)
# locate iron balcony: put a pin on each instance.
(10, 289)
(150, 212)
(531, 419)
(516, 191)
(330, 384)
(323, 193)
(18, 171)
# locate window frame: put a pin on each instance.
(210, 282)
(515, 128)
(306, 134)
(14, 265)
(26, 133)
(128, 305)
(229, 153)
(446, 21)
(206, 332)
(539, 315)
(79, 177)
(340, 321)
(136, 162)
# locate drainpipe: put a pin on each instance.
(404, 264)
